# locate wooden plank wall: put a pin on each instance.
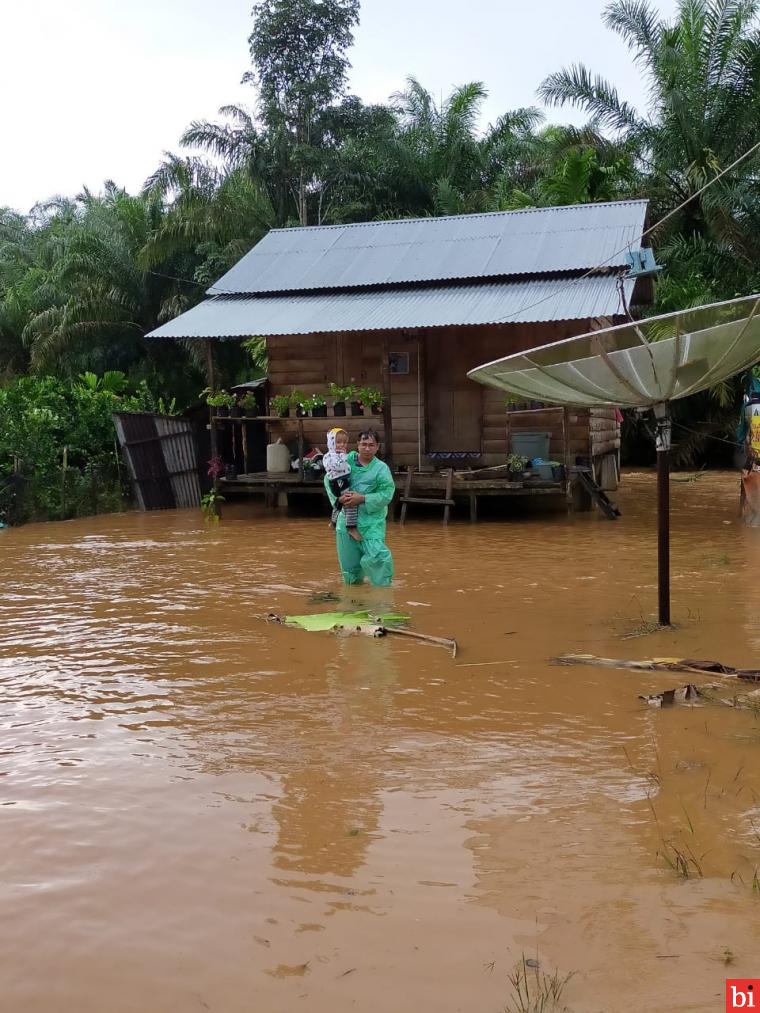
(495, 342)
(605, 431)
(311, 362)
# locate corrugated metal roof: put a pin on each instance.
(460, 247)
(439, 306)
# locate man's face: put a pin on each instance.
(367, 446)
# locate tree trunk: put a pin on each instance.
(302, 197)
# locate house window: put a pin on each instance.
(399, 363)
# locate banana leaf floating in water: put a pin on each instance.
(361, 622)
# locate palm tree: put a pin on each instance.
(210, 218)
(439, 162)
(703, 76)
(261, 153)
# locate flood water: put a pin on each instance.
(203, 811)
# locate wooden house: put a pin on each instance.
(410, 306)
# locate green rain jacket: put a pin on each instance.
(370, 557)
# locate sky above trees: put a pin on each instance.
(101, 92)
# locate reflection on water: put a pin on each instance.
(205, 811)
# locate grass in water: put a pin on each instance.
(533, 991)
(682, 861)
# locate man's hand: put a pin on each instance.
(352, 499)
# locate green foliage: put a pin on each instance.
(298, 49)
(257, 350)
(280, 403)
(83, 279)
(371, 397)
(517, 463)
(219, 398)
(211, 506)
(314, 401)
(338, 393)
(58, 438)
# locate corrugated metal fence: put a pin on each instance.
(160, 454)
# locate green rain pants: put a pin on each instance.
(369, 558)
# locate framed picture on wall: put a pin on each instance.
(399, 363)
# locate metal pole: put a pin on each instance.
(662, 442)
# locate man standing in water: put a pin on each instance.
(372, 489)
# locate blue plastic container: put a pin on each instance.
(530, 445)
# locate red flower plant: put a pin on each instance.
(216, 467)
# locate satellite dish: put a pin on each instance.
(636, 365)
(642, 364)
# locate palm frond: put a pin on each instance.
(576, 86)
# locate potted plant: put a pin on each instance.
(372, 398)
(340, 395)
(248, 405)
(298, 401)
(281, 405)
(221, 401)
(317, 406)
(516, 464)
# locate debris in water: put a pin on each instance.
(668, 697)
(360, 622)
(322, 621)
(662, 665)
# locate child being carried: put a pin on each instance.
(338, 470)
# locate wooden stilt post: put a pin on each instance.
(566, 452)
(385, 374)
(210, 376)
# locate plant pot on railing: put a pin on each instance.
(236, 412)
(356, 408)
(219, 402)
(319, 411)
(340, 395)
(372, 398)
(301, 412)
(280, 405)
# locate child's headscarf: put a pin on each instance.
(331, 436)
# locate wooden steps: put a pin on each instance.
(446, 502)
(598, 496)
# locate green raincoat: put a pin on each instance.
(370, 557)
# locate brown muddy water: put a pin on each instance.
(201, 811)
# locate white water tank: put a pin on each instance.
(278, 458)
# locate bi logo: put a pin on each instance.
(742, 993)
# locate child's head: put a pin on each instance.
(340, 439)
